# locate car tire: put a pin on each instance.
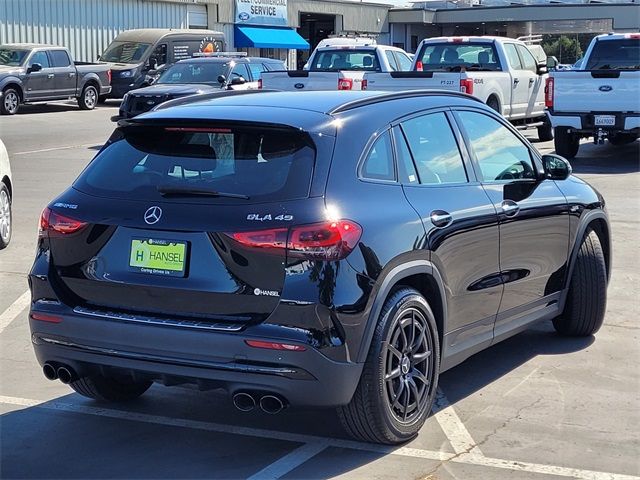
(545, 132)
(622, 139)
(5, 216)
(88, 99)
(392, 410)
(10, 102)
(587, 297)
(566, 144)
(107, 389)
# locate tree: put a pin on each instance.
(565, 49)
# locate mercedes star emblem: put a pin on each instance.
(152, 215)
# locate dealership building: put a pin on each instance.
(288, 29)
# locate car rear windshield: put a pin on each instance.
(615, 55)
(125, 52)
(197, 72)
(12, 57)
(203, 165)
(448, 57)
(345, 59)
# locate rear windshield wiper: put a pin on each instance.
(170, 190)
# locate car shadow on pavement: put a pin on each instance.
(607, 159)
(57, 107)
(183, 433)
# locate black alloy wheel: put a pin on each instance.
(408, 358)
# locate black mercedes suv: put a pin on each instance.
(327, 249)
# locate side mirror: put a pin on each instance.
(552, 62)
(238, 81)
(36, 67)
(222, 79)
(556, 167)
(542, 69)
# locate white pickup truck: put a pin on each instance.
(339, 67)
(502, 72)
(602, 99)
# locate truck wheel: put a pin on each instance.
(399, 380)
(567, 144)
(493, 104)
(107, 389)
(5, 216)
(622, 139)
(88, 98)
(587, 298)
(10, 102)
(545, 132)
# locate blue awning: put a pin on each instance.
(269, 37)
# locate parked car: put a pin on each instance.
(6, 197)
(601, 99)
(227, 71)
(326, 249)
(31, 73)
(134, 53)
(502, 72)
(339, 67)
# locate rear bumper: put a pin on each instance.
(584, 122)
(176, 354)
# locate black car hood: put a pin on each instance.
(179, 89)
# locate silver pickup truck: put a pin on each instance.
(31, 73)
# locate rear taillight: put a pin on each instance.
(317, 241)
(548, 93)
(52, 223)
(345, 84)
(466, 85)
(109, 76)
(259, 84)
(419, 66)
(364, 84)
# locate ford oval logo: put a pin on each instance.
(605, 88)
(152, 215)
(299, 85)
(244, 16)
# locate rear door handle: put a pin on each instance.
(71, 74)
(510, 208)
(51, 75)
(440, 218)
(531, 81)
(516, 81)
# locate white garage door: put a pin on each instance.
(197, 16)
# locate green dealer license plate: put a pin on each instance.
(158, 257)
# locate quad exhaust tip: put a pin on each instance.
(65, 375)
(244, 401)
(49, 371)
(271, 404)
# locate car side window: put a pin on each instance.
(501, 155)
(512, 56)
(160, 54)
(240, 70)
(527, 59)
(60, 58)
(434, 149)
(379, 162)
(40, 57)
(391, 59)
(256, 71)
(403, 61)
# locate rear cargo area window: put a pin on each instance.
(210, 165)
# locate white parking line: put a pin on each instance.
(68, 147)
(289, 462)
(453, 428)
(10, 314)
(316, 441)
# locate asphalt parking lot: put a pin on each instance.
(536, 406)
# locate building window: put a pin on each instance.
(197, 16)
(414, 43)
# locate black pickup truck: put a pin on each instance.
(31, 73)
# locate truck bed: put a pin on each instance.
(289, 80)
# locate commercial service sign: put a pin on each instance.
(261, 12)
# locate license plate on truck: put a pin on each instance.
(158, 257)
(604, 120)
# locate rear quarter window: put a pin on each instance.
(263, 164)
